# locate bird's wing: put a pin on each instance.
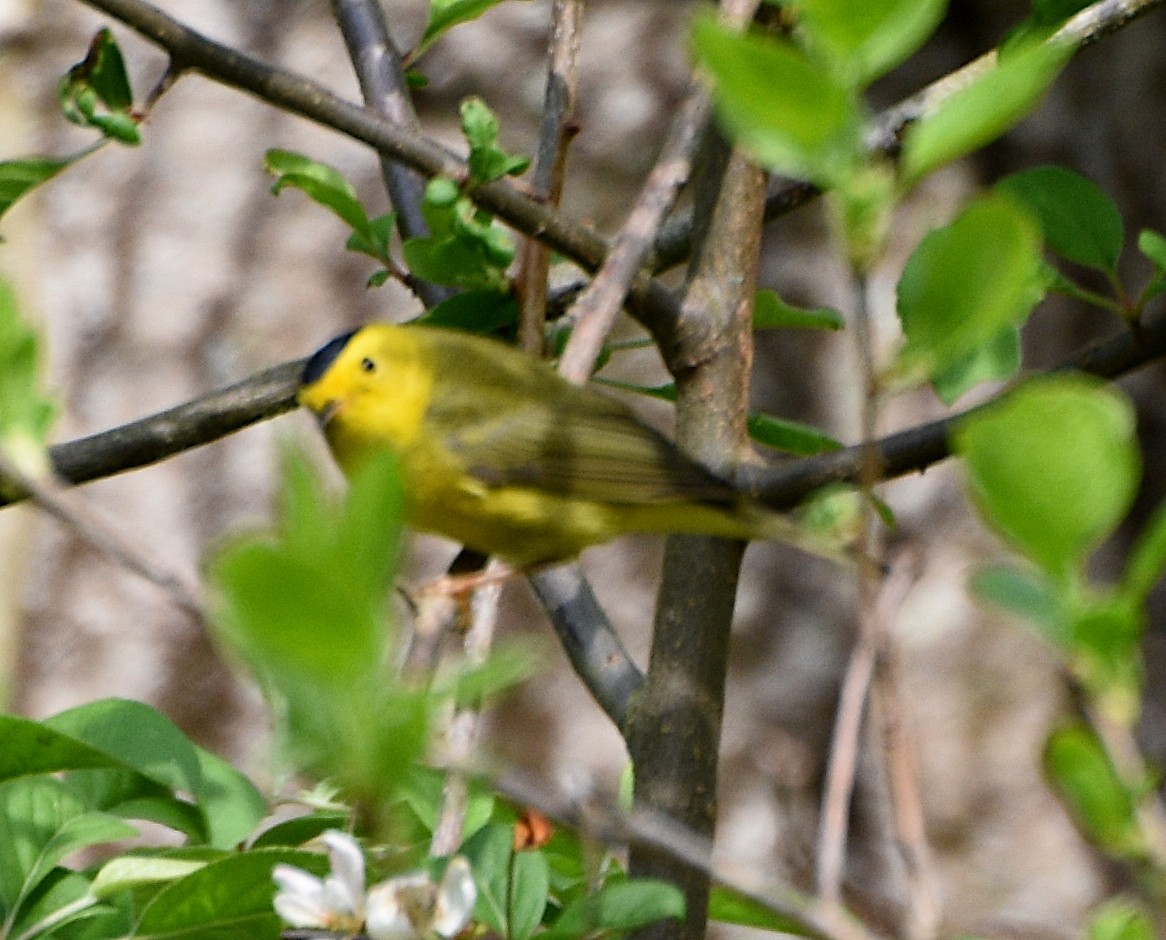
(585, 444)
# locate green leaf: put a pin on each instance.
(983, 111)
(446, 14)
(307, 609)
(1153, 246)
(1085, 779)
(489, 853)
(324, 185)
(18, 177)
(1147, 560)
(41, 822)
(1120, 919)
(129, 872)
(1105, 647)
(529, 885)
(1054, 466)
(729, 907)
(791, 113)
(487, 161)
(300, 829)
(25, 414)
(995, 360)
(866, 38)
(1028, 595)
(771, 312)
(474, 311)
(618, 906)
(465, 247)
(96, 92)
(228, 898)
(791, 437)
(966, 284)
(423, 791)
(1079, 221)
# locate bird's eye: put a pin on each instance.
(368, 365)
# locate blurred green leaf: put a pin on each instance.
(18, 177)
(1153, 246)
(866, 38)
(771, 312)
(1026, 594)
(1147, 560)
(446, 14)
(423, 791)
(96, 92)
(995, 360)
(489, 852)
(1054, 466)
(308, 610)
(788, 111)
(25, 414)
(1079, 221)
(966, 284)
(487, 161)
(1105, 648)
(1083, 776)
(1120, 919)
(730, 907)
(983, 111)
(619, 906)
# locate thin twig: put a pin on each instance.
(596, 310)
(922, 912)
(68, 508)
(461, 734)
(550, 164)
(842, 763)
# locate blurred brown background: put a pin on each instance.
(164, 271)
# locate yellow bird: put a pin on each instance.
(500, 453)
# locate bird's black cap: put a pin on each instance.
(324, 357)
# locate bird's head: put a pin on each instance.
(372, 384)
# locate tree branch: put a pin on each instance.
(382, 83)
(783, 486)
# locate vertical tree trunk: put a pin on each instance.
(675, 725)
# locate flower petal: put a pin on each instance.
(455, 898)
(344, 888)
(385, 918)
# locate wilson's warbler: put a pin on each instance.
(501, 454)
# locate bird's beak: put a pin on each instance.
(329, 411)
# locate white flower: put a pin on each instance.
(411, 907)
(408, 907)
(455, 898)
(332, 903)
